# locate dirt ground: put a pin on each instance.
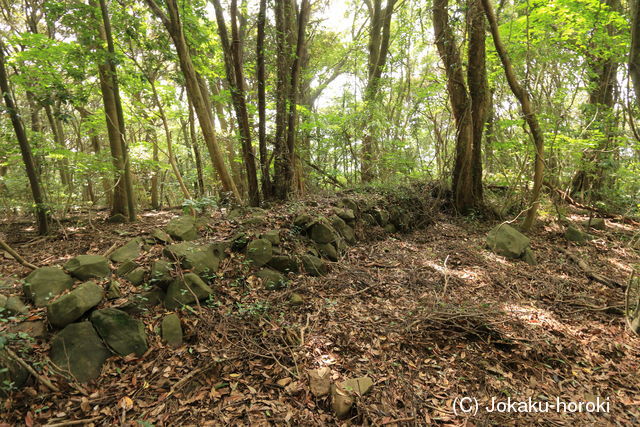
(431, 316)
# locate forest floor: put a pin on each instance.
(431, 316)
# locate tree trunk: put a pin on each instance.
(232, 53)
(523, 97)
(262, 103)
(634, 54)
(174, 26)
(42, 213)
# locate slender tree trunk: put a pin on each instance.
(128, 182)
(155, 175)
(196, 153)
(235, 78)
(42, 213)
(262, 103)
(174, 26)
(523, 97)
(634, 54)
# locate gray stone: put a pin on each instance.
(161, 236)
(45, 283)
(35, 329)
(114, 292)
(358, 386)
(172, 330)
(87, 267)
(574, 235)
(70, 307)
(200, 259)
(381, 216)
(186, 290)
(321, 232)
(389, 228)
(344, 229)
(273, 236)
(117, 219)
(11, 372)
(400, 219)
(128, 252)
(596, 224)
(259, 252)
(507, 241)
(272, 279)
(161, 273)
(136, 277)
(313, 265)
(78, 351)
(13, 305)
(296, 299)
(126, 268)
(303, 221)
(284, 264)
(529, 257)
(182, 228)
(328, 250)
(345, 214)
(122, 333)
(348, 204)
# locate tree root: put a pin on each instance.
(16, 255)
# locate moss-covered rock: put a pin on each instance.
(122, 333)
(322, 232)
(200, 259)
(161, 273)
(11, 372)
(126, 268)
(576, 236)
(284, 264)
(161, 236)
(507, 241)
(272, 279)
(328, 251)
(45, 283)
(303, 221)
(13, 305)
(127, 252)
(171, 330)
(87, 267)
(78, 351)
(344, 229)
(70, 307)
(136, 276)
(273, 236)
(182, 228)
(186, 290)
(313, 265)
(259, 252)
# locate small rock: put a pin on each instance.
(344, 229)
(78, 350)
(529, 257)
(273, 236)
(200, 259)
(259, 252)
(186, 290)
(574, 235)
(45, 283)
(345, 214)
(596, 224)
(136, 277)
(172, 330)
(87, 267)
(341, 402)
(296, 299)
(302, 221)
(114, 292)
(349, 204)
(284, 264)
(11, 372)
(313, 265)
(14, 305)
(358, 386)
(117, 219)
(161, 273)
(319, 381)
(127, 252)
(328, 250)
(126, 268)
(271, 279)
(321, 232)
(389, 228)
(369, 219)
(70, 307)
(381, 216)
(35, 329)
(507, 241)
(161, 236)
(182, 228)
(123, 334)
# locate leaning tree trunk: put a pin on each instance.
(42, 213)
(525, 103)
(634, 54)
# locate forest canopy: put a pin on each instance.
(140, 104)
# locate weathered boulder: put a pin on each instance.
(161, 273)
(259, 252)
(36, 329)
(344, 229)
(126, 268)
(122, 333)
(574, 235)
(13, 305)
(328, 250)
(11, 372)
(172, 330)
(400, 219)
(381, 216)
(78, 350)
(507, 241)
(186, 290)
(161, 236)
(45, 283)
(113, 291)
(87, 267)
(200, 259)
(313, 265)
(272, 279)
(128, 252)
(273, 236)
(596, 224)
(348, 204)
(284, 264)
(139, 303)
(296, 299)
(136, 276)
(303, 221)
(346, 214)
(70, 307)
(182, 228)
(322, 232)
(530, 257)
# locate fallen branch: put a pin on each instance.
(590, 273)
(16, 255)
(32, 371)
(110, 250)
(325, 174)
(73, 422)
(633, 321)
(567, 198)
